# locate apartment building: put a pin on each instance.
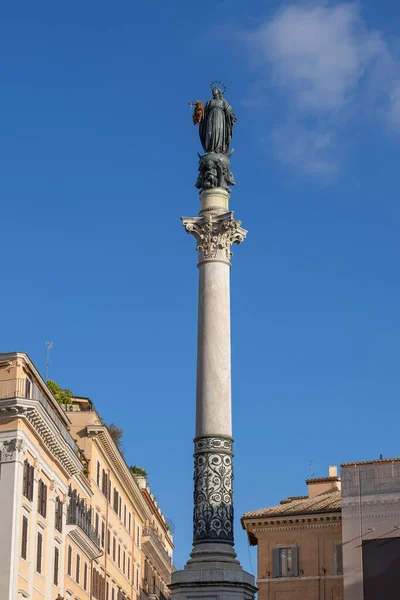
(73, 516)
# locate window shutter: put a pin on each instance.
(30, 482)
(69, 565)
(56, 561)
(40, 496)
(337, 558)
(276, 571)
(24, 537)
(39, 553)
(44, 499)
(25, 485)
(295, 560)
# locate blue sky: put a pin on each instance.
(98, 159)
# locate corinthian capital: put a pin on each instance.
(215, 235)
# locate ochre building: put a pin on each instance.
(75, 523)
(300, 544)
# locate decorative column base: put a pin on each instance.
(210, 578)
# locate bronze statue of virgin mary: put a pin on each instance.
(216, 120)
(215, 128)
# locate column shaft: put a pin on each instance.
(213, 397)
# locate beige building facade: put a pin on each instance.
(300, 544)
(75, 522)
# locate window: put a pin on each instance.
(129, 522)
(27, 489)
(120, 508)
(104, 483)
(138, 535)
(109, 490)
(42, 498)
(112, 594)
(137, 579)
(125, 515)
(114, 547)
(116, 500)
(103, 533)
(56, 565)
(98, 474)
(108, 591)
(285, 561)
(85, 574)
(129, 566)
(59, 515)
(97, 524)
(337, 558)
(123, 562)
(39, 552)
(78, 568)
(24, 544)
(119, 556)
(28, 386)
(69, 563)
(108, 542)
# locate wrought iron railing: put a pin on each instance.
(25, 388)
(78, 515)
(149, 531)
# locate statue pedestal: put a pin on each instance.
(212, 572)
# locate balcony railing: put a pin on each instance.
(24, 388)
(76, 515)
(149, 531)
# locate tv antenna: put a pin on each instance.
(311, 470)
(49, 346)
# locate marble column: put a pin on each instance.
(213, 571)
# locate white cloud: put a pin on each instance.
(331, 66)
(311, 149)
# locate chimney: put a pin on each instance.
(321, 485)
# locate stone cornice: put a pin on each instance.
(103, 438)
(325, 521)
(39, 420)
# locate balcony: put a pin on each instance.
(24, 388)
(80, 528)
(156, 553)
(149, 531)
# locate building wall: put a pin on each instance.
(316, 579)
(371, 511)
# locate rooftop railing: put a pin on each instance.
(25, 388)
(149, 531)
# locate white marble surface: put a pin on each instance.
(213, 397)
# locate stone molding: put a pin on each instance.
(213, 489)
(215, 234)
(11, 448)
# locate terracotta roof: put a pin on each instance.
(370, 462)
(322, 479)
(327, 502)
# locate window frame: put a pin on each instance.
(277, 571)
